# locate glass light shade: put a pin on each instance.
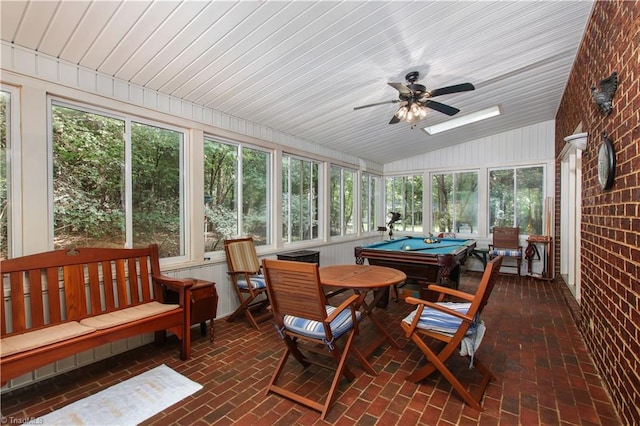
(422, 113)
(416, 112)
(402, 113)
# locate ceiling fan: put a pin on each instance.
(415, 99)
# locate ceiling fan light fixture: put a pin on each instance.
(463, 120)
(412, 113)
(402, 113)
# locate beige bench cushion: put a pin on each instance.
(45, 336)
(126, 315)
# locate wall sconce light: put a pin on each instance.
(578, 140)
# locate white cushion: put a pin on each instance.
(126, 315)
(42, 337)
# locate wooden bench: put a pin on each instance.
(59, 303)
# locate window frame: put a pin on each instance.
(240, 146)
(390, 204)
(14, 172)
(344, 226)
(128, 118)
(373, 201)
(431, 211)
(544, 197)
(286, 221)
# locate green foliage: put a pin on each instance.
(299, 199)
(404, 196)
(89, 182)
(516, 199)
(88, 157)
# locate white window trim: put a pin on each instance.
(14, 164)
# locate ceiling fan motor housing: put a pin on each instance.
(412, 77)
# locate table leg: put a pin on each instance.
(367, 311)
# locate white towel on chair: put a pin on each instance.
(471, 342)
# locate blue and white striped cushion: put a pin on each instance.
(257, 281)
(432, 319)
(341, 324)
(505, 252)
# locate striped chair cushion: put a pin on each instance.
(313, 329)
(505, 252)
(257, 282)
(432, 319)
(243, 256)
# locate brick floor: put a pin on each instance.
(544, 375)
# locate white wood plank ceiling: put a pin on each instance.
(300, 67)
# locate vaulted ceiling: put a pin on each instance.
(300, 67)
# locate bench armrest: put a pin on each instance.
(178, 285)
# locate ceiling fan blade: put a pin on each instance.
(445, 109)
(395, 101)
(403, 89)
(394, 120)
(464, 87)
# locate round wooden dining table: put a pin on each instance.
(362, 279)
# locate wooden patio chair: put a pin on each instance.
(302, 315)
(245, 272)
(457, 327)
(506, 243)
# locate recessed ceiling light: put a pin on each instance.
(463, 120)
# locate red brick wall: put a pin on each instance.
(610, 233)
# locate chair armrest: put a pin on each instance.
(423, 303)
(243, 272)
(451, 292)
(348, 303)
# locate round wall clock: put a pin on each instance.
(606, 163)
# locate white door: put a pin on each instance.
(570, 215)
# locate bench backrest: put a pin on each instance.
(68, 285)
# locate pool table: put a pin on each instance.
(423, 262)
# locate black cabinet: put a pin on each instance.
(308, 256)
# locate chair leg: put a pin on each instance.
(341, 358)
(292, 345)
(437, 362)
(425, 371)
(246, 307)
(486, 378)
(363, 361)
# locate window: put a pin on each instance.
(300, 213)
(236, 193)
(342, 201)
(404, 196)
(369, 190)
(5, 175)
(516, 198)
(116, 182)
(454, 201)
